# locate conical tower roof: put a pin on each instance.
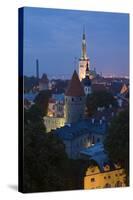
(75, 87)
(44, 79)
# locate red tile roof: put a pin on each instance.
(75, 87)
(52, 100)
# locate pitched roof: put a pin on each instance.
(124, 89)
(80, 128)
(98, 154)
(75, 87)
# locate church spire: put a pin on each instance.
(84, 54)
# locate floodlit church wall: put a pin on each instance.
(74, 108)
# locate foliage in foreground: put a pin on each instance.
(99, 99)
(117, 141)
(46, 165)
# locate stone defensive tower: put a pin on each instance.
(74, 100)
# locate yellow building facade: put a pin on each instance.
(108, 178)
(52, 123)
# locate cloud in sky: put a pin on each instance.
(54, 37)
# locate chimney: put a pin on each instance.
(93, 120)
(120, 102)
(110, 105)
(100, 121)
(103, 117)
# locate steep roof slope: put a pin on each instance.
(75, 87)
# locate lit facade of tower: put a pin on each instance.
(84, 59)
(74, 100)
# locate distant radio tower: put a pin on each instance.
(37, 69)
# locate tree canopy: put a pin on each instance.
(99, 99)
(42, 100)
(29, 83)
(46, 165)
(117, 141)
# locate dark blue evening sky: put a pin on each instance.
(54, 37)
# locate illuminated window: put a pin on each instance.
(118, 184)
(92, 180)
(107, 185)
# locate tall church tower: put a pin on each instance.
(87, 82)
(84, 59)
(74, 100)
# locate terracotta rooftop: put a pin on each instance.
(124, 89)
(52, 100)
(75, 87)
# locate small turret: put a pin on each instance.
(87, 82)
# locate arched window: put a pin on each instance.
(118, 184)
(92, 180)
(107, 185)
(93, 139)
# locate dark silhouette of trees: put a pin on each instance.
(42, 100)
(46, 165)
(29, 83)
(117, 141)
(99, 99)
